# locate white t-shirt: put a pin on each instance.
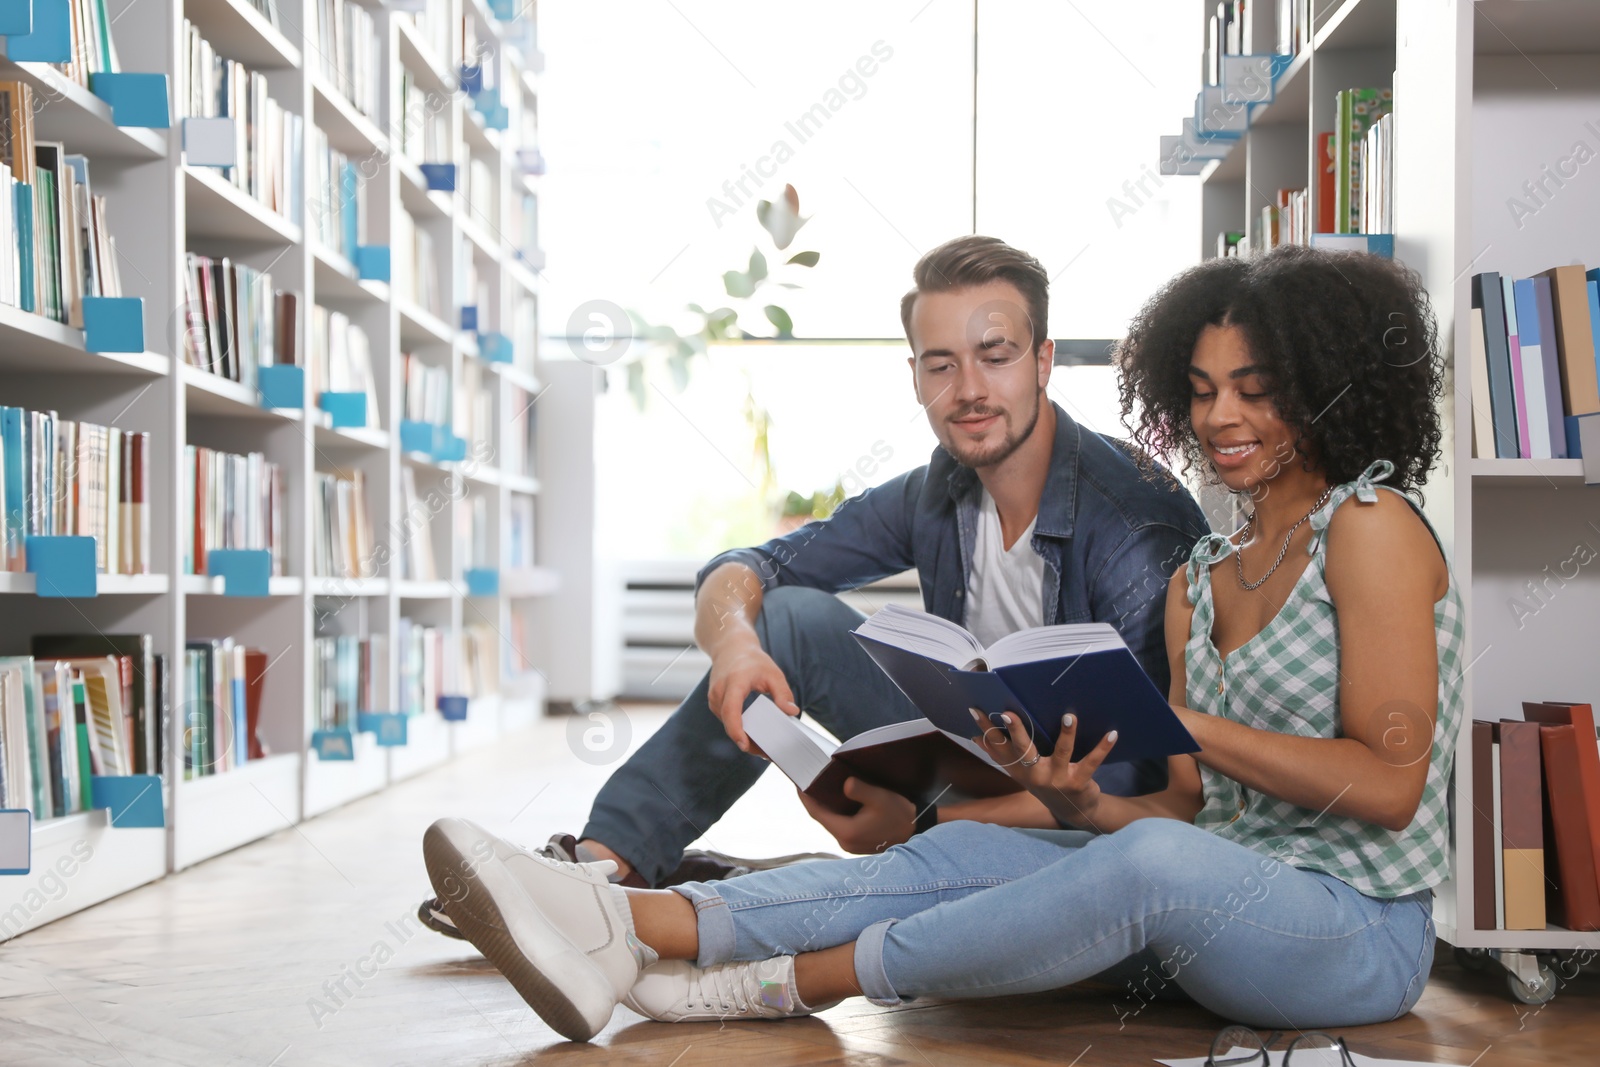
(1005, 591)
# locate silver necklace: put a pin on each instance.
(1238, 555)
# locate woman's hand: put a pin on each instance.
(1067, 789)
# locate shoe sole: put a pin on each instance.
(439, 925)
(511, 943)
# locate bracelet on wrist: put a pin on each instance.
(927, 819)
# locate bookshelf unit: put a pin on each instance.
(1485, 94)
(160, 207)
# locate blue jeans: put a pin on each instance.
(973, 910)
(688, 773)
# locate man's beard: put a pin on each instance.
(979, 456)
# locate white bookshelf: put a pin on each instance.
(160, 208)
(1477, 112)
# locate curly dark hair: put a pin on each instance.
(1347, 344)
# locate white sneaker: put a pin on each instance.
(552, 928)
(676, 991)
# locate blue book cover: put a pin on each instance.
(241, 730)
(24, 219)
(1533, 383)
(11, 435)
(1104, 688)
(349, 182)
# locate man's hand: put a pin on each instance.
(886, 818)
(1067, 789)
(734, 676)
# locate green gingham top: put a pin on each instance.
(1286, 679)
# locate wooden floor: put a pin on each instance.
(302, 949)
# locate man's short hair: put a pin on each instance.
(971, 261)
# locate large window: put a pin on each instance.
(664, 122)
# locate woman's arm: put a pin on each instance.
(1384, 574)
(1068, 790)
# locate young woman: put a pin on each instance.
(1284, 876)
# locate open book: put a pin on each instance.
(1042, 673)
(915, 758)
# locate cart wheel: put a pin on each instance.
(1472, 959)
(1543, 994)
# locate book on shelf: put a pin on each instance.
(915, 759)
(1357, 111)
(349, 55)
(1293, 26)
(425, 394)
(1227, 34)
(1535, 371)
(519, 532)
(1376, 181)
(481, 194)
(1039, 673)
(524, 230)
(525, 333)
(475, 520)
(221, 720)
(423, 665)
(346, 675)
(416, 560)
(521, 431)
(230, 502)
(423, 133)
(1572, 809)
(480, 660)
(61, 478)
(235, 320)
(266, 135)
(475, 408)
(416, 268)
(339, 198)
(93, 50)
(341, 359)
(59, 249)
(342, 526)
(74, 713)
(1536, 819)
(136, 660)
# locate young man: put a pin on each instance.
(1020, 518)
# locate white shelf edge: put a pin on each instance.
(23, 582)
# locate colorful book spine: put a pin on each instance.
(1519, 381)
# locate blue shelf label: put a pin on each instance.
(448, 448)
(135, 99)
(388, 725)
(133, 799)
(16, 20)
(471, 80)
(453, 708)
(50, 38)
(333, 744)
(372, 263)
(494, 347)
(282, 386)
(244, 571)
(113, 323)
(469, 318)
(483, 581)
(347, 409)
(441, 177)
(417, 436)
(16, 840)
(62, 566)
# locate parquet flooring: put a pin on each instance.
(301, 949)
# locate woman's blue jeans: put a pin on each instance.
(974, 910)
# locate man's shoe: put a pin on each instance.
(705, 865)
(561, 847)
(553, 928)
(676, 991)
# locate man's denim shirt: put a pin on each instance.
(1111, 537)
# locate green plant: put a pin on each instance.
(781, 219)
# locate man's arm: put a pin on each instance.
(867, 537)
